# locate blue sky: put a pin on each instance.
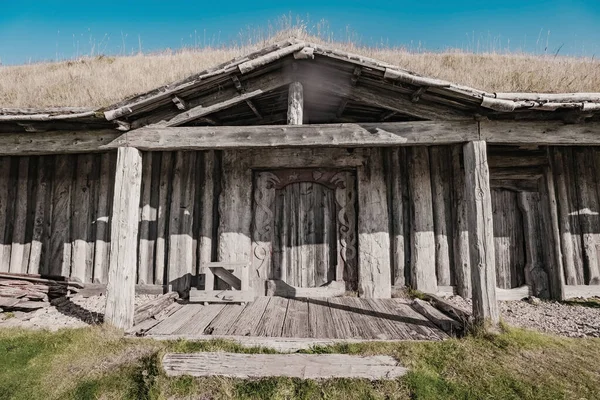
(43, 30)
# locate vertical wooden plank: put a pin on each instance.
(181, 252)
(346, 236)
(235, 212)
(422, 236)
(4, 215)
(162, 216)
(82, 257)
(397, 180)
(481, 233)
(462, 265)
(263, 238)
(589, 212)
(205, 242)
(562, 200)
(147, 218)
(18, 258)
(295, 104)
(535, 276)
(42, 214)
(102, 218)
(374, 277)
(59, 261)
(441, 196)
(553, 252)
(120, 291)
(573, 185)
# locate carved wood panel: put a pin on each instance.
(304, 229)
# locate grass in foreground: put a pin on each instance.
(99, 363)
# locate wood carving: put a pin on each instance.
(273, 184)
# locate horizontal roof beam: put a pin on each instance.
(282, 136)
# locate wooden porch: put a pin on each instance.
(347, 318)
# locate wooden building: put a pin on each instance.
(300, 170)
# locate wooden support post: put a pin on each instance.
(481, 233)
(295, 104)
(120, 291)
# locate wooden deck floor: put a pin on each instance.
(333, 318)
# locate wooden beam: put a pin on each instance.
(387, 99)
(295, 104)
(481, 233)
(254, 109)
(56, 142)
(180, 103)
(124, 237)
(540, 132)
(278, 136)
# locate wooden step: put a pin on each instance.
(305, 366)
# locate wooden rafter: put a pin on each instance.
(388, 100)
(353, 81)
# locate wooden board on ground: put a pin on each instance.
(296, 321)
(250, 317)
(271, 323)
(200, 321)
(304, 366)
(225, 320)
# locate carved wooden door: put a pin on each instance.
(305, 226)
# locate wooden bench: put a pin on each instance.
(235, 274)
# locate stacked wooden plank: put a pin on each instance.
(32, 292)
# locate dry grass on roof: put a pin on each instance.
(103, 80)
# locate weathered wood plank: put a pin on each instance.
(124, 237)
(197, 323)
(539, 132)
(550, 222)
(181, 317)
(373, 230)
(58, 260)
(304, 366)
(441, 177)
(162, 217)
(235, 212)
(343, 316)
(562, 201)
(207, 196)
(271, 323)
(250, 317)
(39, 239)
(181, 252)
(295, 104)
(82, 252)
(296, 323)
(225, 320)
(320, 320)
(422, 238)
(104, 208)
(331, 135)
(305, 158)
(534, 234)
(19, 255)
(56, 142)
(4, 185)
(462, 265)
(147, 217)
(481, 233)
(397, 176)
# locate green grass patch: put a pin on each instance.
(97, 362)
(593, 302)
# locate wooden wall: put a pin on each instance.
(429, 240)
(177, 216)
(54, 215)
(576, 172)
